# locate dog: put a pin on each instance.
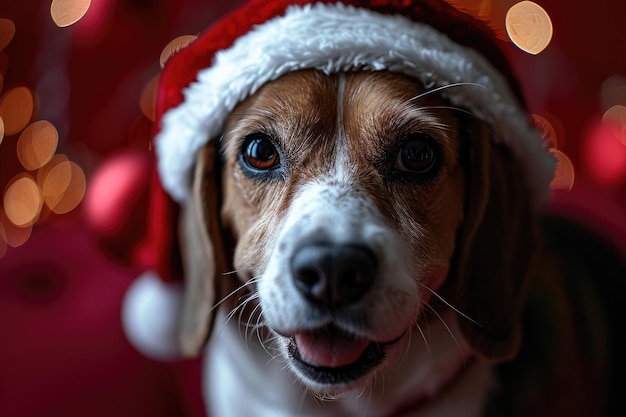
(373, 248)
(360, 222)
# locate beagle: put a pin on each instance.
(360, 233)
(366, 218)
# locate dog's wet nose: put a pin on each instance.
(333, 275)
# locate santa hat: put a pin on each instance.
(429, 40)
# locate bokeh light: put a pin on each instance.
(548, 133)
(174, 46)
(1, 130)
(17, 108)
(118, 181)
(22, 201)
(529, 27)
(147, 100)
(37, 144)
(605, 155)
(615, 117)
(564, 175)
(3, 242)
(7, 31)
(613, 91)
(43, 172)
(13, 235)
(67, 12)
(64, 187)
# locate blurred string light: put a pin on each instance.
(526, 24)
(23, 201)
(604, 147)
(7, 31)
(147, 99)
(564, 174)
(12, 235)
(529, 27)
(615, 117)
(37, 144)
(605, 155)
(64, 187)
(3, 242)
(48, 182)
(613, 91)
(67, 12)
(17, 109)
(548, 133)
(174, 46)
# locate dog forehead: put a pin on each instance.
(306, 109)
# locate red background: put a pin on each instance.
(62, 352)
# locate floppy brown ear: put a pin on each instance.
(202, 254)
(495, 248)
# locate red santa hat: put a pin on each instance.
(429, 40)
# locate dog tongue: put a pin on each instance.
(330, 349)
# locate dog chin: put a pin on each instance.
(330, 361)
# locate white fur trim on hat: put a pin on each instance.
(150, 315)
(333, 38)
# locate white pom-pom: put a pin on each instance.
(150, 314)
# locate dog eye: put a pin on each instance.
(417, 155)
(260, 153)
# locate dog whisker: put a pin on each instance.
(459, 109)
(456, 310)
(240, 307)
(430, 353)
(450, 332)
(251, 281)
(444, 87)
(256, 328)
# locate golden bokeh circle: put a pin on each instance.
(548, 133)
(174, 46)
(64, 187)
(37, 144)
(1, 130)
(17, 107)
(42, 173)
(147, 100)
(613, 91)
(616, 117)
(22, 201)
(67, 12)
(529, 27)
(564, 175)
(13, 235)
(7, 31)
(3, 241)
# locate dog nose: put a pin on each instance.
(333, 275)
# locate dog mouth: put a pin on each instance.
(332, 357)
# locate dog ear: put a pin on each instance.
(202, 254)
(495, 248)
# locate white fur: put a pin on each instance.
(340, 214)
(335, 38)
(436, 377)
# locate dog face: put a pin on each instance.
(345, 201)
(344, 194)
